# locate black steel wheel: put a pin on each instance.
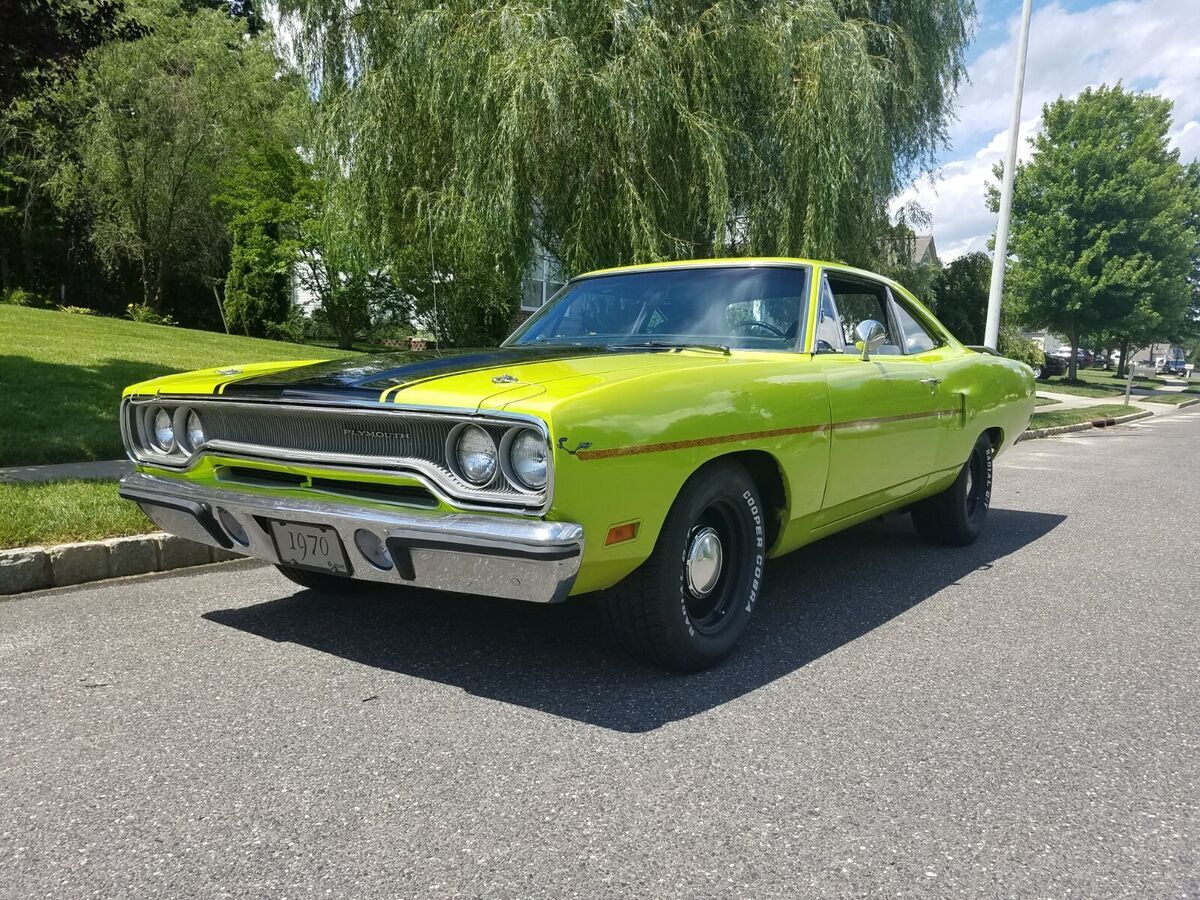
(688, 605)
(957, 515)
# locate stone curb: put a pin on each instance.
(1187, 403)
(34, 568)
(1035, 433)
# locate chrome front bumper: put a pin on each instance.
(492, 555)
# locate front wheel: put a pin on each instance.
(686, 607)
(956, 516)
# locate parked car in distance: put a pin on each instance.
(1083, 357)
(1052, 365)
(1173, 365)
(655, 433)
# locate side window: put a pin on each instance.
(917, 338)
(829, 328)
(860, 300)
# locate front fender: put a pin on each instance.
(623, 451)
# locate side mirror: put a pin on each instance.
(871, 336)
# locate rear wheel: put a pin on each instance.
(956, 516)
(686, 607)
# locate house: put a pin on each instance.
(924, 251)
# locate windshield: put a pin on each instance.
(753, 307)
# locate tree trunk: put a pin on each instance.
(1124, 363)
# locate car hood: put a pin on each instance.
(461, 379)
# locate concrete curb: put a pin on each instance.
(34, 568)
(1035, 433)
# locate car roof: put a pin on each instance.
(732, 261)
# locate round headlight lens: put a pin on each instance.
(195, 430)
(476, 453)
(528, 457)
(164, 430)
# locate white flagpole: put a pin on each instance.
(992, 335)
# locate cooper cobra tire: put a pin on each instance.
(688, 604)
(957, 515)
(326, 583)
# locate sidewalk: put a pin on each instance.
(106, 470)
(1073, 401)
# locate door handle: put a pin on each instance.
(932, 382)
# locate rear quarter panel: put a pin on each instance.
(992, 393)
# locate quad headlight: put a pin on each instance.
(174, 431)
(528, 458)
(162, 430)
(195, 430)
(476, 454)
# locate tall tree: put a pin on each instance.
(1103, 221)
(962, 296)
(627, 132)
(162, 118)
(262, 198)
(41, 41)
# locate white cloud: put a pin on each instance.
(1148, 44)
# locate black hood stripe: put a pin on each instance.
(379, 373)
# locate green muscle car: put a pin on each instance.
(655, 433)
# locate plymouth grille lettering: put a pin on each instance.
(367, 433)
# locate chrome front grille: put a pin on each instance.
(368, 438)
(366, 434)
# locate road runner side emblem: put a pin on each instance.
(505, 379)
(229, 371)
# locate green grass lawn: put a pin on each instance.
(65, 511)
(1172, 399)
(1054, 418)
(1110, 379)
(61, 376)
(1078, 388)
(1043, 401)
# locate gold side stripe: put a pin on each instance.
(754, 435)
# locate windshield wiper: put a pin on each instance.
(669, 345)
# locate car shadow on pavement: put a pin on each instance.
(558, 659)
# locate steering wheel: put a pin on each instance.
(757, 323)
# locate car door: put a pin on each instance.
(883, 411)
(926, 344)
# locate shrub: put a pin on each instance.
(78, 310)
(21, 297)
(297, 328)
(140, 312)
(1015, 346)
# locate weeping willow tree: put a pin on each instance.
(612, 131)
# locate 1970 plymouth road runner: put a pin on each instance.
(654, 432)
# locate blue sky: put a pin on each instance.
(1150, 45)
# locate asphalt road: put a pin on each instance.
(1019, 718)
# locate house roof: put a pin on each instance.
(924, 249)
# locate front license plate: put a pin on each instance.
(310, 546)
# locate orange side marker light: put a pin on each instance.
(620, 533)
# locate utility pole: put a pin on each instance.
(992, 335)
